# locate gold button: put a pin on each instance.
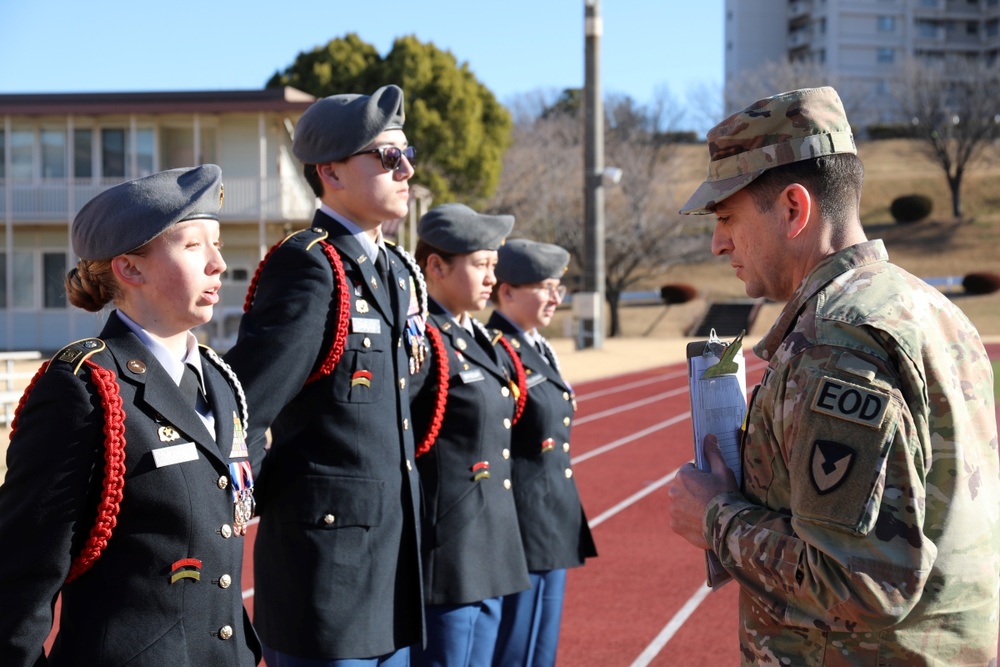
(506, 423)
(329, 519)
(225, 632)
(565, 446)
(506, 484)
(409, 466)
(565, 395)
(367, 342)
(506, 453)
(505, 392)
(406, 424)
(569, 473)
(226, 530)
(566, 421)
(223, 482)
(225, 581)
(402, 383)
(136, 366)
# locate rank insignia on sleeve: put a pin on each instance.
(830, 463)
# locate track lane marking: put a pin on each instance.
(668, 631)
(629, 438)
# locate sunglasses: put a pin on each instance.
(391, 156)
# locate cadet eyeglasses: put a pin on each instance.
(391, 156)
(555, 291)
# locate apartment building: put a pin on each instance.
(862, 45)
(59, 150)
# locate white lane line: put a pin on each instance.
(631, 406)
(672, 627)
(248, 593)
(629, 438)
(631, 385)
(632, 500)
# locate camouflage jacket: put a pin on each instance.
(867, 532)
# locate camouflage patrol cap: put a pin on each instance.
(336, 127)
(788, 127)
(131, 214)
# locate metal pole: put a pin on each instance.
(593, 277)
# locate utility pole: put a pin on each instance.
(592, 302)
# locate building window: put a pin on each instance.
(24, 284)
(22, 144)
(927, 29)
(929, 3)
(112, 153)
(83, 151)
(992, 29)
(887, 24)
(885, 55)
(53, 275)
(3, 162)
(972, 28)
(143, 153)
(53, 154)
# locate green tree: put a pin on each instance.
(459, 128)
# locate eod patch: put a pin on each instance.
(845, 400)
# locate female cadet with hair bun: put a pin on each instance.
(130, 474)
(464, 403)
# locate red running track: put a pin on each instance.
(643, 600)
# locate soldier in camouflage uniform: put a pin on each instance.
(865, 530)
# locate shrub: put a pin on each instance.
(677, 293)
(981, 283)
(888, 131)
(910, 208)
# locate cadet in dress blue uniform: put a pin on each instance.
(463, 412)
(325, 351)
(553, 526)
(129, 479)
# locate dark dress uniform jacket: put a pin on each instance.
(472, 548)
(124, 610)
(336, 561)
(553, 525)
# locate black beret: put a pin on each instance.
(336, 127)
(522, 262)
(458, 229)
(133, 213)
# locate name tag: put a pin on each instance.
(844, 400)
(475, 375)
(174, 454)
(368, 325)
(535, 379)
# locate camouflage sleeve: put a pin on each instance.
(831, 530)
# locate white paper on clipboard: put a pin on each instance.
(718, 406)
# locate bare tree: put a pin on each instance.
(542, 185)
(954, 110)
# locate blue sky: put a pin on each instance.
(513, 47)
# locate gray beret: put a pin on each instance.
(522, 262)
(132, 214)
(339, 126)
(457, 228)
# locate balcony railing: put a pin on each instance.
(250, 199)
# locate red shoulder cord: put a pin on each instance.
(522, 382)
(343, 307)
(114, 465)
(441, 400)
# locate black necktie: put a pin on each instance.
(382, 267)
(190, 386)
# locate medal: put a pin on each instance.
(243, 503)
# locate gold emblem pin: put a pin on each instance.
(374, 284)
(167, 434)
(361, 306)
(460, 343)
(136, 366)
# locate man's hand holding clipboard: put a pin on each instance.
(717, 375)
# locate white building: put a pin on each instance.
(59, 150)
(862, 44)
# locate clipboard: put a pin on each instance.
(717, 383)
